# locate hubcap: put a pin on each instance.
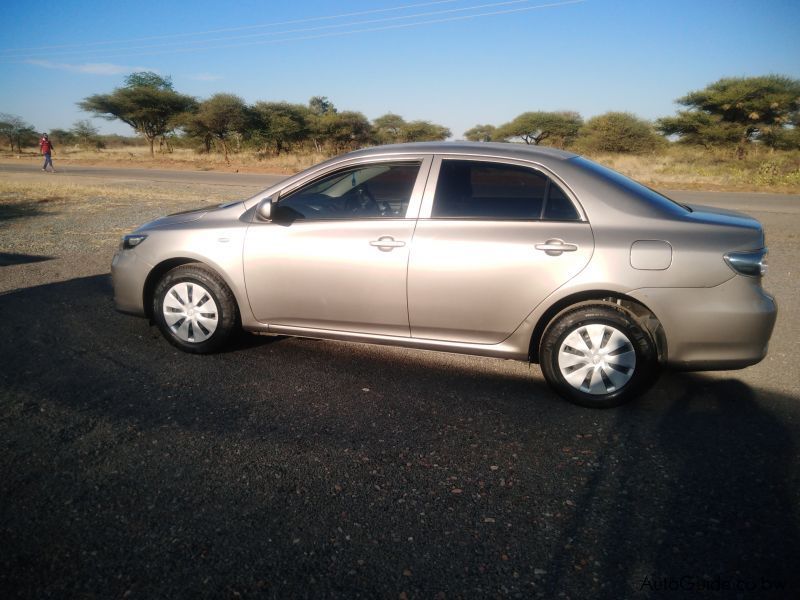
(190, 312)
(597, 359)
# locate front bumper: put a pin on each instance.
(128, 276)
(719, 328)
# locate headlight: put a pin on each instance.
(132, 240)
(752, 263)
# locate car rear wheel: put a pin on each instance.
(598, 356)
(194, 309)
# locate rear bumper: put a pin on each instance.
(719, 328)
(128, 276)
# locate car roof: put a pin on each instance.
(498, 149)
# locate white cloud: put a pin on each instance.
(89, 68)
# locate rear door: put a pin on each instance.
(494, 239)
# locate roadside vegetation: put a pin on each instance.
(735, 134)
(31, 189)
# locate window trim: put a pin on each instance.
(433, 179)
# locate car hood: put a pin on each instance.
(175, 219)
(185, 216)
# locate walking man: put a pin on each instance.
(46, 146)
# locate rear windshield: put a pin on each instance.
(619, 180)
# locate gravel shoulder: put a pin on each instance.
(72, 225)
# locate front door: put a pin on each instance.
(335, 256)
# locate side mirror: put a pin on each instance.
(264, 210)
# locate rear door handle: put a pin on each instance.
(386, 243)
(555, 247)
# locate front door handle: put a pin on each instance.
(555, 247)
(386, 243)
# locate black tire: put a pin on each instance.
(210, 315)
(598, 356)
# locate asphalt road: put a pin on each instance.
(303, 468)
(151, 175)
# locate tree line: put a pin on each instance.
(731, 112)
(739, 111)
(154, 109)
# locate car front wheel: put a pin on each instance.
(194, 309)
(598, 356)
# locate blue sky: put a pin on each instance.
(454, 62)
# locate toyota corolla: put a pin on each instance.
(498, 250)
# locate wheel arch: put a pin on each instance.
(155, 275)
(638, 311)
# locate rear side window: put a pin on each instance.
(484, 190)
(558, 207)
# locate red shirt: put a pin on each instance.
(45, 145)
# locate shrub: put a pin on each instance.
(618, 132)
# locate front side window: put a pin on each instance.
(371, 191)
(485, 190)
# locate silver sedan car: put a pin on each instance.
(498, 250)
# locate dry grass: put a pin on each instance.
(693, 168)
(676, 167)
(59, 191)
(182, 158)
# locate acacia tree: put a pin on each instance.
(16, 131)
(86, 133)
(391, 128)
(388, 128)
(281, 123)
(147, 102)
(344, 130)
(789, 137)
(701, 129)
(738, 110)
(423, 131)
(219, 118)
(321, 114)
(320, 105)
(481, 133)
(618, 132)
(556, 128)
(194, 129)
